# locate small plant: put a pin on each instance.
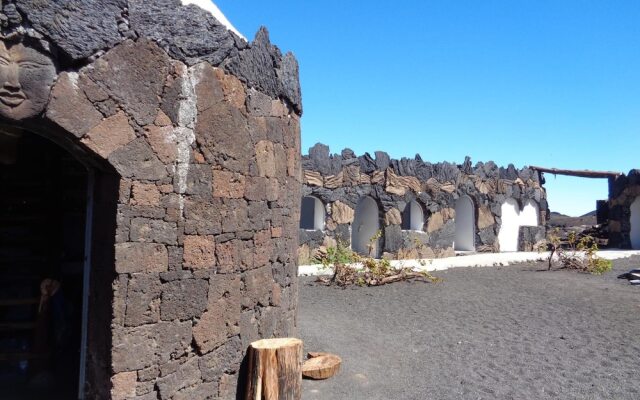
(576, 253)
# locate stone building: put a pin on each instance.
(410, 208)
(149, 165)
(622, 210)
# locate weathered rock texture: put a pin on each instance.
(340, 181)
(623, 191)
(195, 138)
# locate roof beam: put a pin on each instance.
(581, 173)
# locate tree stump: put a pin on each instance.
(275, 370)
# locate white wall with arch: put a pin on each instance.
(312, 213)
(366, 224)
(465, 225)
(512, 219)
(635, 224)
(413, 217)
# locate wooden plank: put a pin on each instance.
(19, 302)
(16, 326)
(22, 356)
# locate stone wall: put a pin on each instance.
(194, 136)
(340, 181)
(623, 192)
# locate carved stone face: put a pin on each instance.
(26, 77)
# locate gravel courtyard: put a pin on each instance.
(516, 332)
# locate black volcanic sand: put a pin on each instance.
(484, 333)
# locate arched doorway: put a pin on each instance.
(413, 217)
(312, 213)
(43, 270)
(465, 223)
(508, 234)
(635, 224)
(366, 225)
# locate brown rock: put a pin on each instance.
(143, 194)
(233, 89)
(378, 178)
(123, 385)
(228, 184)
(333, 181)
(485, 218)
(199, 252)
(400, 184)
(111, 134)
(163, 142)
(436, 222)
(208, 87)
(342, 213)
(392, 217)
(351, 175)
(313, 178)
(162, 119)
(141, 257)
(266, 158)
(70, 108)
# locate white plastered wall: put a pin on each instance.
(508, 234)
(465, 225)
(366, 224)
(513, 219)
(635, 224)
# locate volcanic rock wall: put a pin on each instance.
(624, 210)
(195, 135)
(341, 181)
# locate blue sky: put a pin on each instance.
(554, 83)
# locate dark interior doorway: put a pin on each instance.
(43, 204)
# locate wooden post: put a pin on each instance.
(275, 370)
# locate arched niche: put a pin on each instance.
(508, 234)
(312, 214)
(635, 224)
(366, 224)
(530, 214)
(413, 217)
(465, 225)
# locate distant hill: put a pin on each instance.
(560, 220)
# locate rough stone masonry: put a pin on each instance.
(194, 138)
(341, 181)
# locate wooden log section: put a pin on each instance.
(275, 370)
(581, 173)
(321, 365)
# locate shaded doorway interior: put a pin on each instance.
(413, 217)
(42, 262)
(312, 214)
(465, 222)
(366, 224)
(635, 224)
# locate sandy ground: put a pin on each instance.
(515, 332)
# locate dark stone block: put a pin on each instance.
(382, 160)
(183, 299)
(226, 358)
(187, 33)
(393, 238)
(138, 80)
(367, 163)
(79, 27)
(143, 297)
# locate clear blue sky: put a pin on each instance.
(530, 82)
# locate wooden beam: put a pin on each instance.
(581, 173)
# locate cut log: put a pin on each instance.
(321, 366)
(581, 173)
(275, 370)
